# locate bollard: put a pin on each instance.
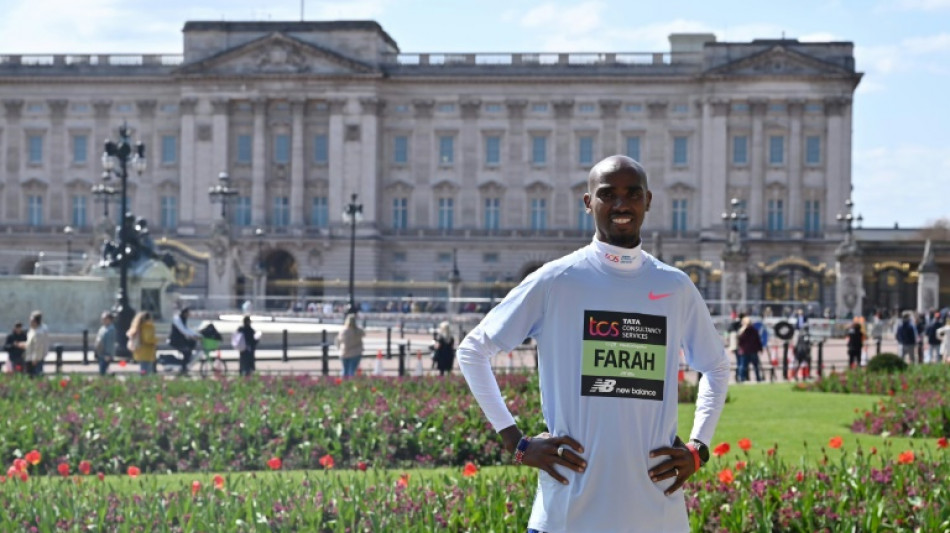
(878, 343)
(59, 358)
(535, 357)
(389, 342)
(85, 346)
(821, 357)
(402, 360)
(284, 345)
(785, 360)
(325, 369)
(402, 329)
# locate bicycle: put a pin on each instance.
(208, 364)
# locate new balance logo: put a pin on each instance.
(603, 386)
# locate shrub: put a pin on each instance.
(886, 362)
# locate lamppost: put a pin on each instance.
(352, 213)
(735, 220)
(846, 220)
(115, 161)
(68, 231)
(103, 193)
(222, 193)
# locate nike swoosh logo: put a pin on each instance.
(659, 296)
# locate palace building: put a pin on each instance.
(467, 169)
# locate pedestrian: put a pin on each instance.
(877, 331)
(933, 342)
(921, 326)
(855, 339)
(609, 320)
(732, 346)
(142, 342)
(183, 338)
(350, 341)
(36, 345)
(14, 350)
(906, 335)
(247, 345)
(750, 344)
(104, 348)
(943, 334)
(443, 349)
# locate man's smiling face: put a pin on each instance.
(619, 198)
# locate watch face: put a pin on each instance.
(703, 452)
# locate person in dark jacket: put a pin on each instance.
(247, 349)
(750, 344)
(183, 338)
(13, 348)
(855, 337)
(444, 349)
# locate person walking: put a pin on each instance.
(943, 333)
(750, 344)
(104, 348)
(36, 345)
(877, 331)
(855, 339)
(350, 341)
(14, 350)
(443, 349)
(247, 347)
(183, 338)
(142, 342)
(609, 320)
(932, 355)
(906, 335)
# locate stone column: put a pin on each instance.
(58, 149)
(101, 132)
(187, 179)
(714, 168)
(795, 209)
(470, 160)
(297, 164)
(837, 176)
(259, 164)
(565, 164)
(422, 145)
(849, 282)
(518, 165)
(372, 109)
(928, 281)
(756, 199)
(145, 203)
(14, 158)
(338, 187)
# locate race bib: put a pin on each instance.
(624, 355)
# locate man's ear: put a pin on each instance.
(649, 199)
(587, 201)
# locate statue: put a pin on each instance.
(139, 245)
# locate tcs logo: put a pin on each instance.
(612, 258)
(602, 328)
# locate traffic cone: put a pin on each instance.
(378, 368)
(419, 371)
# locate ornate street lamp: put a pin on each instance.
(223, 193)
(352, 213)
(68, 231)
(102, 193)
(846, 219)
(116, 158)
(735, 220)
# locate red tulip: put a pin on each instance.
(799, 477)
(23, 475)
(770, 452)
(835, 442)
(13, 471)
(327, 461)
(21, 465)
(721, 450)
(726, 476)
(134, 472)
(101, 476)
(740, 465)
(361, 465)
(274, 463)
(290, 392)
(195, 487)
(33, 457)
(873, 450)
(3, 479)
(63, 469)
(63, 383)
(403, 481)
(905, 458)
(338, 381)
(85, 468)
(470, 469)
(745, 444)
(942, 442)
(218, 482)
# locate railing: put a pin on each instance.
(541, 58)
(100, 60)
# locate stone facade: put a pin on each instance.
(484, 154)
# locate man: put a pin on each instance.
(13, 347)
(105, 342)
(183, 338)
(906, 335)
(855, 339)
(933, 354)
(609, 321)
(36, 345)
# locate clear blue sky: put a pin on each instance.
(901, 158)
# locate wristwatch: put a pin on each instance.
(700, 452)
(521, 448)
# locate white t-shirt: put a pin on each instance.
(609, 329)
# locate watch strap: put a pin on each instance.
(521, 448)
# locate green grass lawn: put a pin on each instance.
(771, 414)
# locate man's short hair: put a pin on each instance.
(36, 316)
(107, 314)
(17, 325)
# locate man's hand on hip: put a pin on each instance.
(680, 465)
(545, 452)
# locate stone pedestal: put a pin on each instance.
(734, 280)
(849, 279)
(928, 281)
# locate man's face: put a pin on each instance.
(619, 201)
(106, 320)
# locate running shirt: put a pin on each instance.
(609, 328)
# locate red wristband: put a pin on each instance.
(695, 453)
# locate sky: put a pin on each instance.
(901, 145)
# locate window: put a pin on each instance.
(812, 150)
(320, 212)
(169, 108)
(242, 211)
(633, 108)
(812, 218)
(446, 108)
(79, 108)
(169, 213)
(492, 213)
(633, 147)
(585, 222)
(446, 213)
(321, 152)
(123, 108)
(493, 108)
(244, 149)
(539, 214)
(399, 257)
(776, 149)
(400, 149)
(492, 150)
(446, 149)
(681, 108)
(777, 108)
(281, 214)
(679, 215)
(34, 206)
(680, 151)
(79, 205)
(282, 149)
(585, 150)
(586, 108)
(35, 147)
(539, 150)
(776, 216)
(539, 108)
(740, 108)
(401, 108)
(490, 257)
(80, 149)
(814, 108)
(400, 213)
(169, 149)
(740, 150)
